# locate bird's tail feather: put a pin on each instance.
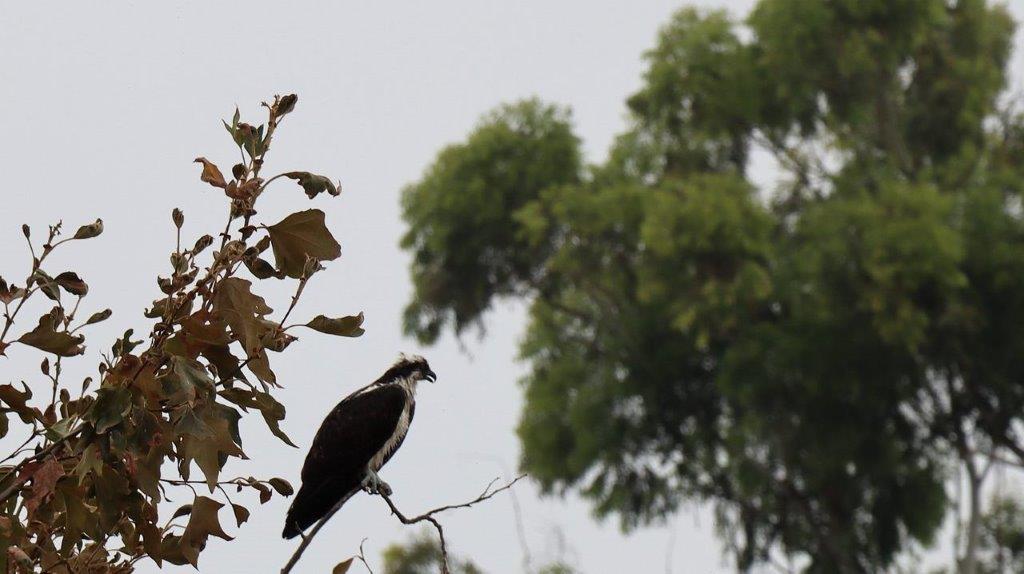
(312, 503)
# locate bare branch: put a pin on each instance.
(428, 516)
(362, 556)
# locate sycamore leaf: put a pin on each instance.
(17, 401)
(211, 173)
(265, 493)
(273, 412)
(47, 285)
(350, 326)
(313, 184)
(45, 337)
(202, 523)
(282, 486)
(259, 365)
(211, 452)
(183, 381)
(241, 513)
(183, 510)
(112, 403)
(60, 429)
(89, 231)
(9, 293)
(99, 316)
(343, 567)
(301, 235)
(235, 303)
(151, 540)
(199, 332)
(90, 462)
(285, 105)
(72, 283)
(44, 480)
(262, 269)
(172, 550)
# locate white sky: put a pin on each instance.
(105, 106)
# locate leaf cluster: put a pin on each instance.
(83, 492)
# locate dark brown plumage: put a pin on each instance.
(364, 430)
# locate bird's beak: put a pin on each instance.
(430, 376)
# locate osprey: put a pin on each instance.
(355, 440)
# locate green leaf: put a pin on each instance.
(302, 235)
(211, 452)
(112, 403)
(313, 184)
(46, 338)
(350, 326)
(183, 381)
(60, 429)
(343, 567)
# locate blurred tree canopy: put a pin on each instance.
(815, 356)
(422, 555)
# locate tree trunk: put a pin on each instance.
(969, 563)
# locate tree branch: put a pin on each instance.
(429, 515)
(425, 517)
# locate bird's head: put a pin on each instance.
(412, 367)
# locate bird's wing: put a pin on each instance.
(353, 432)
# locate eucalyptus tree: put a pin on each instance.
(815, 356)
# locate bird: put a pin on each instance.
(355, 440)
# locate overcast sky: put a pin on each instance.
(105, 106)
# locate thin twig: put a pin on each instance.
(362, 556)
(429, 515)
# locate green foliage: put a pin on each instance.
(467, 248)
(421, 555)
(82, 493)
(1002, 538)
(812, 358)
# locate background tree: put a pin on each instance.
(815, 357)
(422, 555)
(82, 492)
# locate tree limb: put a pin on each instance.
(425, 517)
(429, 515)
